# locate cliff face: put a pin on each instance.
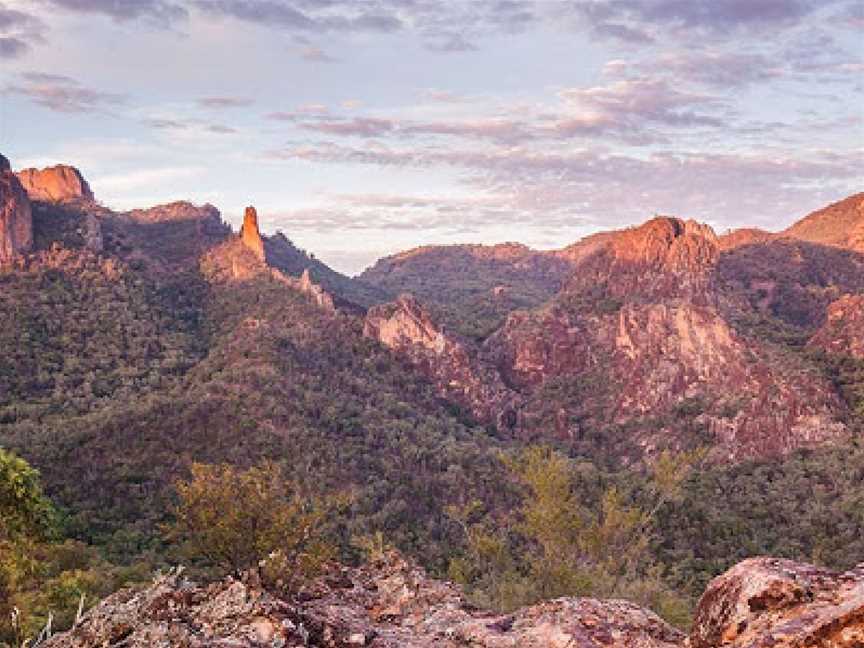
(393, 604)
(643, 336)
(16, 217)
(448, 361)
(55, 184)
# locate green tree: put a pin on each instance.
(237, 520)
(26, 517)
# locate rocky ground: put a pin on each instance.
(762, 602)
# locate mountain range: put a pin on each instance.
(135, 342)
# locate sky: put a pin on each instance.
(360, 128)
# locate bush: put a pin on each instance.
(239, 520)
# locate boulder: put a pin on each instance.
(782, 604)
(55, 184)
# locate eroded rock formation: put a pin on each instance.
(392, 603)
(16, 216)
(643, 332)
(450, 362)
(251, 235)
(55, 184)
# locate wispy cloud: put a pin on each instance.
(64, 94)
(19, 31)
(224, 102)
(161, 12)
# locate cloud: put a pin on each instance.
(660, 21)
(224, 102)
(64, 94)
(161, 12)
(449, 43)
(710, 68)
(273, 13)
(634, 111)
(18, 31)
(727, 189)
(316, 55)
(360, 126)
(12, 47)
(221, 129)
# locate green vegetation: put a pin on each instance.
(576, 532)
(42, 577)
(237, 520)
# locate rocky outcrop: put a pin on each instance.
(55, 184)
(643, 336)
(843, 331)
(251, 235)
(447, 360)
(320, 296)
(16, 216)
(392, 603)
(782, 604)
(668, 243)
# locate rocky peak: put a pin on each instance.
(55, 184)
(16, 216)
(668, 243)
(250, 234)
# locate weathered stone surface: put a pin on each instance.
(391, 603)
(251, 235)
(16, 216)
(781, 604)
(57, 183)
(642, 329)
(450, 362)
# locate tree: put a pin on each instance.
(234, 519)
(25, 512)
(26, 517)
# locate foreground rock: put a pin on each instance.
(55, 184)
(16, 216)
(781, 604)
(393, 604)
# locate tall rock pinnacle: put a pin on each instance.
(250, 234)
(16, 217)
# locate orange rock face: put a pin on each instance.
(55, 184)
(16, 218)
(250, 234)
